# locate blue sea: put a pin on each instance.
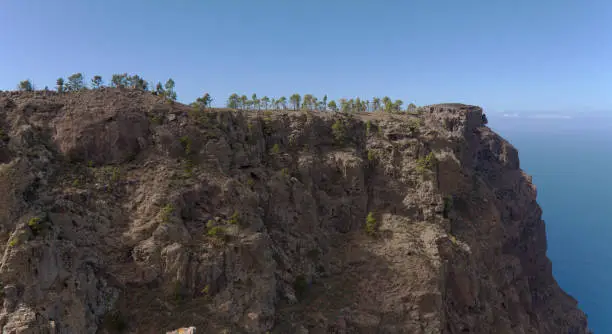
(570, 158)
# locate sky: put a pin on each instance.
(502, 55)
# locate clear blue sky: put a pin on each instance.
(502, 55)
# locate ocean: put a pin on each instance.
(570, 159)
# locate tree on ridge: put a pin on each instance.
(170, 93)
(60, 85)
(25, 86)
(96, 82)
(75, 82)
(295, 100)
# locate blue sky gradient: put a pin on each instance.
(502, 55)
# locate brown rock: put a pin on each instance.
(232, 222)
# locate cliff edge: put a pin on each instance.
(123, 213)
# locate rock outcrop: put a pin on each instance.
(122, 213)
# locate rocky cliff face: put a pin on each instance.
(120, 212)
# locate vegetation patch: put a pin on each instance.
(186, 143)
(275, 149)
(196, 113)
(217, 232)
(114, 173)
(414, 125)
(234, 219)
(108, 176)
(338, 131)
(35, 225)
(371, 155)
(426, 163)
(166, 212)
(14, 241)
(371, 224)
(267, 126)
(205, 291)
(155, 119)
(189, 166)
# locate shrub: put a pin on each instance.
(276, 149)
(13, 242)
(267, 126)
(166, 212)
(216, 232)
(414, 124)
(206, 291)
(368, 127)
(338, 130)
(234, 219)
(115, 174)
(107, 175)
(371, 224)
(426, 163)
(189, 165)
(35, 225)
(186, 142)
(157, 120)
(371, 155)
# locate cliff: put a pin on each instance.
(120, 212)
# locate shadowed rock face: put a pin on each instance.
(124, 213)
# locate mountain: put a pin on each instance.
(122, 212)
